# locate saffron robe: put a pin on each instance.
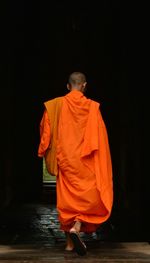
(84, 182)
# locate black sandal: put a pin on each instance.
(79, 245)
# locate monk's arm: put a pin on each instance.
(44, 134)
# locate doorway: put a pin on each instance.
(49, 186)
(47, 178)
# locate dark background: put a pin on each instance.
(42, 43)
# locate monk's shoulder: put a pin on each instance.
(53, 101)
(95, 104)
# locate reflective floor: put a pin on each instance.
(30, 233)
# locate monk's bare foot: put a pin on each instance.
(69, 243)
(69, 248)
(76, 227)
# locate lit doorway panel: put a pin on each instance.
(47, 178)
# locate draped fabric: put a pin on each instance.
(48, 132)
(84, 185)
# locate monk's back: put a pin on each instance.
(72, 124)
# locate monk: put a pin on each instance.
(74, 143)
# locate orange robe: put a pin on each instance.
(84, 181)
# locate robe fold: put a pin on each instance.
(84, 182)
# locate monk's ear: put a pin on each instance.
(68, 86)
(84, 86)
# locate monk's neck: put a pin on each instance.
(76, 90)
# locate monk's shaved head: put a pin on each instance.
(76, 78)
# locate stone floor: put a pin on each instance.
(29, 233)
